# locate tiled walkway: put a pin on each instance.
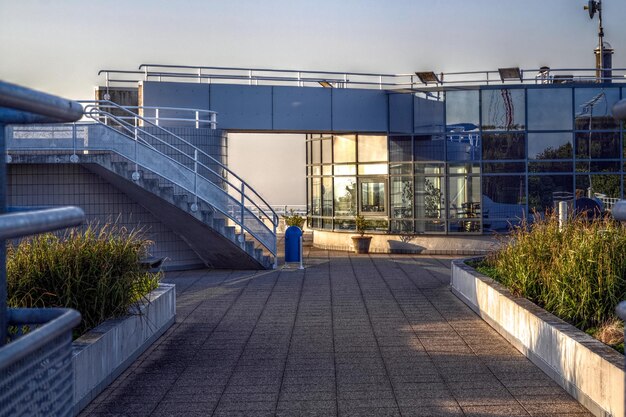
(348, 336)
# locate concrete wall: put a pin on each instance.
(65, 184)
(590, 371)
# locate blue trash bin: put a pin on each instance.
(292, 244)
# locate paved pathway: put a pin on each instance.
(348, 336)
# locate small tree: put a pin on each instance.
(360, 223)
(294, 219)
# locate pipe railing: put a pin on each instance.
(310, 78)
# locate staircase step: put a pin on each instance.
(229, 232)
(249, 246)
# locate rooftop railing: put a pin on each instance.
(333, 79)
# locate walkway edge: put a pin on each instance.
(105, 352)
(590, 371)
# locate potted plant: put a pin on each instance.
(361, 243)
(294, 219)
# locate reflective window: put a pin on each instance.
(327, 170)
(372, 148)
(316, 196)
(464, 203)
(593, 108)
(597, 145)
(344, 148)
(308, 152)
(345, 169)
(316, 152)
(503, 109)
(462, 110)
(504, 197)
(597, 166)
(557, 145)
(372, 169)
(327, 151)
(550, 109)
(546, 166)
(545, 191)
(327, 196)
(400, 148)
(432, 169)
(373, 197)
(344, 189)
(428, 116)
(399, 169)
(463, 147)
(599, 187)
(401, 197)
(430, 148)
(430, 192)
(504, 146)
(503, 167)
(316, 169)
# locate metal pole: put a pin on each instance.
(197, 119)
(301, 251)
(195, 178)
(136, 173)
(242, 202)
(213, 121)
(275, 222)
(562, 214)
(156, 114)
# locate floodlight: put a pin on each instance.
(510, 74)
(428, 77)
(592, 7)
(325, 84)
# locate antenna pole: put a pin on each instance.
(601, 40)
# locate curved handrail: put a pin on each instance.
(102, 109)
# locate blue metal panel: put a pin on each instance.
(401, 113)
(242, 107)
(302, 108)
(359, 110)
(428, 115)
(164, 94)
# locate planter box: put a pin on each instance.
(590, 371)
(102, 354)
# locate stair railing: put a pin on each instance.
(238, 193)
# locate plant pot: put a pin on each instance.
(361, 243)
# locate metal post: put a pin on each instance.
(197, 119)
(249, 77)
(242, 202)
(156, 117)
(199, 75)
(299, 85)
(3, 270)
(301, 251)
(145, 69)
(380, 82)
(195, 178)
(136, 173)
(562, 214)
(274, 223)
(213, 120)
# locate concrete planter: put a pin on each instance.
(105, 352)
(590, 371)
(361, 244)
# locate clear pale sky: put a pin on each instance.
(59, 46)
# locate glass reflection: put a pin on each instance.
(373, 196)
(429, 148)
(545, 191)
(597, 145)
(372, 148)
(316, 152)
(428, 116)
(327, 151)
(463, 147)
(327, 196)
(550, 145)
(430, 195)
(462, 110)
(593, 108)
(598, 187)
(401, 197)
(503, 167)
(504, 146)
(344, 189)
(400, 148)
(550, 109)
(373, 169)
(503, 109)
(316, 196)
(504, 197)
(344, 148)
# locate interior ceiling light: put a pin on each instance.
(510, 74)
(428, 77)
(325, 84)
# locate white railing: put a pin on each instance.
(169, 156)
(333, 79)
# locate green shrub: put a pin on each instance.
(578, 273)
(361, 224)
(294, 219)
(94, 270)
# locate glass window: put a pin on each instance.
(596, 145)
(504, 197)
(345, 169)
(464, 196)
(597, 166)
(430, 226)
(372, 148)
(344, 189)
(503, 167)
(399, 169)
(373, 197)
(545, 191)
(373, 169)
(557, 145)
(462, 169)
(316, 152)
(567, 166)
(401, 196)
(594, 108)
(599, 187)
(504, 146)
(433, 169)
(428, 115)
(462, 110)
(463, 147)
(550, 108)
(327, 151)
(327, 170)
(429, 148)
(344, 148)
(430, 192)
(503, 109)
(327, 196)
(400, 148)
(316, 196)
(316, 169)
(308, 152)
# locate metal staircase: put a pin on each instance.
(207, 204)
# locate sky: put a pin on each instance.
(59, 46)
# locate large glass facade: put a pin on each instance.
(505, 153)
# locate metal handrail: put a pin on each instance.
(356, 79)
(97, 110)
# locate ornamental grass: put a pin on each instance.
(94, 270)
(577, 273)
